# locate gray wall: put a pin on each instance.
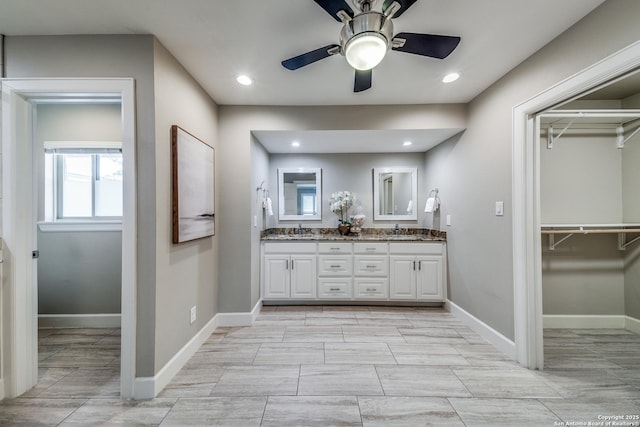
(78, 272)
(581, 183)
(631, 198)
(259, 176)
(581, 180)
(584, 275)
(352, 172)
(236, 124)
(186, 274)
(479, 163)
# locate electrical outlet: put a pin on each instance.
(193, 314)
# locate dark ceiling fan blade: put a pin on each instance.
(334, 6)
(362, 80)
(309, 57)
(431, 45)
(404, 5)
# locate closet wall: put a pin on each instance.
(631, 209)
(585, 179)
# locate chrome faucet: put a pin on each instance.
(396, 230)
(300, 229)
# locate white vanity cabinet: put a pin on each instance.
(417, 271)
(289, 271)
(354, 271)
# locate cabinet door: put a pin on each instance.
(276, 276)
(402, 277)
(303, 276)
(430, 278)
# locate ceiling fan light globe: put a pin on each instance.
(366, 50)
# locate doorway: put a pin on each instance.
(527, 242)
(78, 180)
(19, 214)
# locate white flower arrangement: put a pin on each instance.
(340, 203)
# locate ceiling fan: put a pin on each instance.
(366, 37)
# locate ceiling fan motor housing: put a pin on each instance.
(373, 24)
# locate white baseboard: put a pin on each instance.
(632, 324)
(498, 340)
(79, 320)
(148, 387)
(239, 319)
(570, 321)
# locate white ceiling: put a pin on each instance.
(354, 141)
(216, 40)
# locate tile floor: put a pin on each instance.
(341, 366)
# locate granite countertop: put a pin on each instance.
(367, 235)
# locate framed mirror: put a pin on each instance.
(299, 194)
(395, 194)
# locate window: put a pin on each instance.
(83, 183)
(306, 199)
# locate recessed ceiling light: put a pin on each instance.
(244, 80)
(407, 143)
(450, 78)
(295, 144)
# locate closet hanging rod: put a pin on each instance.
(592, 113)
(593, 231)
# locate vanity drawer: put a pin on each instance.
(371, 265)
(435, 248)
(371, 288)
(371, 248)
(335, 288)
(339, 265)
(334, 248)
(289, 247)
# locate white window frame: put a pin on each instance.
(53, 220)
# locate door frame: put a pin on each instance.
(20, 330)
(527, 246)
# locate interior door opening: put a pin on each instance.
(590, 223)
(77, 158)
(20, 210)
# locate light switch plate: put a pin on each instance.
(500, 208)
(193, 314)
(449, 219)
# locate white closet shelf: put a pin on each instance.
(620, 229)
(612, 119)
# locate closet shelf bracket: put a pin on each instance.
(622, 245)
(551, 139)
(621, 139)
(553, 243)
